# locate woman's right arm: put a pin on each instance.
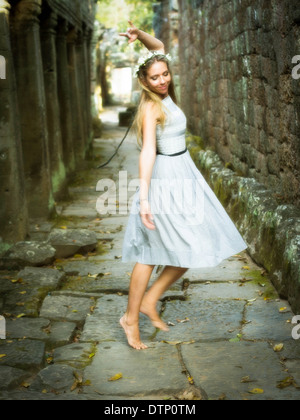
(151, 43)
(146, 163)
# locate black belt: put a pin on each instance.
(175, 154)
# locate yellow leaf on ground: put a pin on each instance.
(191, 380)
(116, 377)
(257, 391)
(21, 315)
(246, 267)
(278, 347)
(2, 355)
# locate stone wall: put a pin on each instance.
(237, 86)
(45, 105)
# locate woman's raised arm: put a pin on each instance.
(151, 43)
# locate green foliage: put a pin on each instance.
(116, 13)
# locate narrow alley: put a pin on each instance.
(230, 335)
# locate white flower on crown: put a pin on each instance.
(143, 60)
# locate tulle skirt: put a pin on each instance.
(193, 230)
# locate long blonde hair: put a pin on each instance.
(148, 96)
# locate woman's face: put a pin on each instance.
(159, 78)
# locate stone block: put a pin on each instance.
(68, 242)
(240, 367)
(54, 378)
(66, 308)
(23, 354)
(114, 358)
(41, 277)
(76, 355)
(11, 377)
(31, 254)
(212, 319)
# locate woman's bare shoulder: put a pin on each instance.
(151, 109)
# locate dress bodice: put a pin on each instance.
(171, 138)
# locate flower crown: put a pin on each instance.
(143, 60)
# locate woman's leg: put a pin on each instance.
(130, 321)
(168, 276)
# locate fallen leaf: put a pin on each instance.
(257, 391)
(87, 383)
(63, 227)
(25, 384)
(181, 321)
(116, 377)
(17, 280)
(2, 355)
(245, 379)
(191, 380)
(282, 309)
(91, 355)
(92, 275)
(278, 347)
(23, 293)
(287, 382)
(246, 267)
(236, 339)
(21, 315)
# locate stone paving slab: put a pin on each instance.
(76, 355)
(69, 242)
(267, 322)
(66, 308)
(154, 371)
(28, 253)
(22, 354)
(54, 378)
(11, 377)
(41, 277)
(207, 320)
(100, 284)
(52, 333)
(220, 368)
(227, 290)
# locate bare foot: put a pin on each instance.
(151, 312)
(133, 334)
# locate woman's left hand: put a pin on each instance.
(132, 33)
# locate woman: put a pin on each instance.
(165, 228)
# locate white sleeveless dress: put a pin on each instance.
(193, 230)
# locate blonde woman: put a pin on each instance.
(176, 220)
